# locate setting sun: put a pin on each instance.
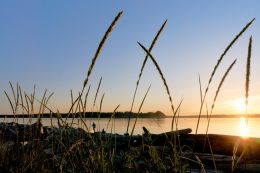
(239, 105)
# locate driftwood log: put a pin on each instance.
(223, 144)
(20, 132)
(199, 143)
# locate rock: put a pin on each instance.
(20, 132)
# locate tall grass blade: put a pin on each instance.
(226, 50)
(200, 91)
(17, 97)
(71, 98)
(32, 99)
(248, 72)
(212, 107)
(82, 115)
(12, 88)
(217, 92)
(113, 114)
(49, 97)
(248, 67)
(94, 59)
(58, 116)
(21, 99)
(100, 81)
(217, 65)
(175, 113)
(85, 100)
(27, 102)
(100, 46)
(47, 100)
(239, 159)
(101, 102)
(235, 148)
(142, 68)
(221, 83)
(212, 153)
(176, 161)
(139, 110)
(161, 74)
(100, 107)
(42, 102)
(177, 118)
(201, 164)
(10, 102)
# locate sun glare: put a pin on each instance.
(239, 105)
(243, 127)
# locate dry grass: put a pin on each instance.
(100, 46)
(236, 161)
(248, 72)
(161, 74)
(70, 149)
(216, 67)
(139, 110)
(142, 68)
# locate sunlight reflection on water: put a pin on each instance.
(243, 127)
(227, 126)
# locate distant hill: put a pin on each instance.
(157, 114)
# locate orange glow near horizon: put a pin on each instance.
(239, 105)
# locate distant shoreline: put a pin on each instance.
(157, 114)
(222, 116)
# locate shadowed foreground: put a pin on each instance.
(35, 148)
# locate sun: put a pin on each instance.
(239, 105)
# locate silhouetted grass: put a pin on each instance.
(235, 161)
(216, 67)
(100, 46)
(248, 72)
(73, 148)
(142, 68)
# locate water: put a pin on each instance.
(227, 126)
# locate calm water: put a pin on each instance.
(228, 126)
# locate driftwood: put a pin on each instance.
(223, 147)
(20, 132)
(123, 141)
(223, 144)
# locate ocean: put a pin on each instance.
(228, 126)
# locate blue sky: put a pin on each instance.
(51, 44)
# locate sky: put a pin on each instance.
(50, 44)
